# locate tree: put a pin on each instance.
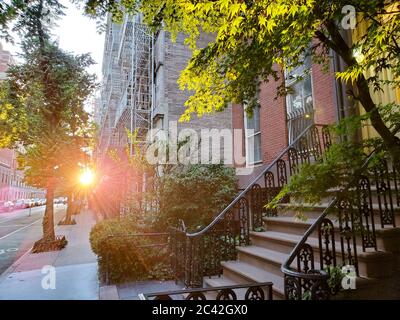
(69, 175)
(9, 12)
(47, 91)
(252, 37)
(195, 194)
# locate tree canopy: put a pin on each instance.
(42, 102)
(255, 40)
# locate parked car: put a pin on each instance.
(22, 203)
(6, 206)
(60, 200)
(32, 203)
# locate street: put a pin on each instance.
(20, 229)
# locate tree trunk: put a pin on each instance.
(391, 141)
(48, 219)
(339, 45)
(68, 217)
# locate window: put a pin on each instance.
(253, 137)
(299, 100)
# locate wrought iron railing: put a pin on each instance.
(157, 240)
(259, 291)
(200, 254)
(355, 229)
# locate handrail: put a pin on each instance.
(244, 192)
(146, 296)
(285, 268)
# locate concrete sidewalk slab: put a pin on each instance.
(75, 268)
(74, 282)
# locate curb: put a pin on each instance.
(15, 264)
(108, 293)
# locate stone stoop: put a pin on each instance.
(262, 259)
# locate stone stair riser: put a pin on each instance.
(373, 268)
(268, 265)
(241, 279)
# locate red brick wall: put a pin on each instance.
(324, 95)
(273, 112)
(239, 147)
(272, 121)
(274, 136)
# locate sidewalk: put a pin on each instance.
(75, 268)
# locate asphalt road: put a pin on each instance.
(19, 230)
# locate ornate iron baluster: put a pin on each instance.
(229, 236)
(366, 213)
(270, 191)
(195, 262)
(292, 287)
(347, 234)
(281, 173)
(304, 150)
(254, 293)
(384, 191)
(178, 254)
(320, 290)
(244, 228)
(226, 294)
(188, 262)
(256, 206)
(174, 254)
(326, 137)
(305, 263)
(196, 296)
(326, 238)
(396, 183)
(213, 245)
(293, 158)
(315, 142)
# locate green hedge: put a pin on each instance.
(123, 256)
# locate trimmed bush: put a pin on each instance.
(123, 257)
(196, 194)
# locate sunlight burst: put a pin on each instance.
(87, 177)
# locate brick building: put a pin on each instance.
(140, 90)
(280, 120)
(140, 93)
(170, 58)
(12, 186)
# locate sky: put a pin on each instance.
(75, 33)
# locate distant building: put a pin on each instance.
(140, 92)
(12, 186)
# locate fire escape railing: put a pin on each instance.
(199, 254)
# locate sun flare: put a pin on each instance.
(87, 177)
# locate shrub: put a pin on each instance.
(123, 257)
(196, 194)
